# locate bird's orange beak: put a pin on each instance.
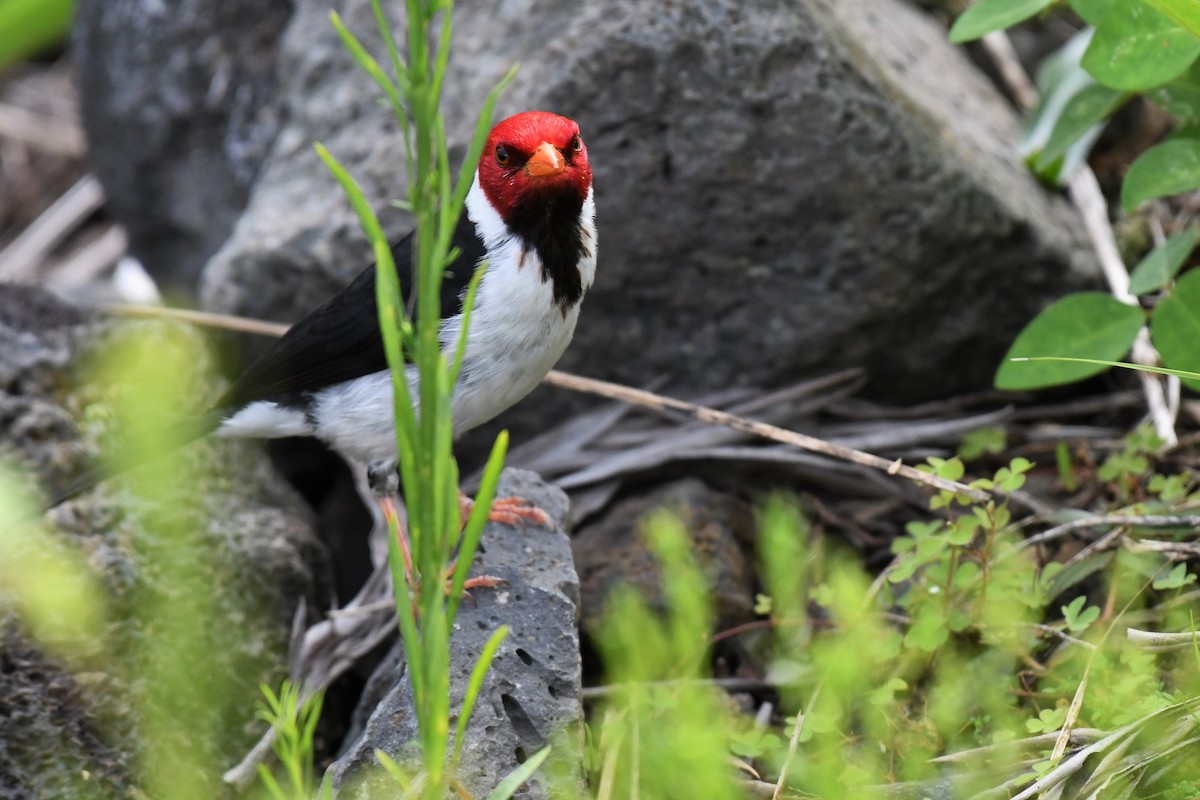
(545, 162)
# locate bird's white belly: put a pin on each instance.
(517, 334)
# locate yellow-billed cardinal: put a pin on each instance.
(529, 214)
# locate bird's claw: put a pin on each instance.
(507, 510)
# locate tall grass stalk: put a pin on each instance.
(428, 602)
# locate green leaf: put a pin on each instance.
(1169, 168)
(928, 632)
(1181, 97)
(1175, 327)
(1081, 117)
(1059, 79)
(1077, 617)
(29, 26)
(1085, 325)
(986, 16)
(474, 686)
(1176, 579)
(1092, 11)
(514, 780)
(1185, 13)
(1163, 262)
(1137, 47)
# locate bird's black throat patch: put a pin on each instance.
(550, 224)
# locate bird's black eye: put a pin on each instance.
(577, 143)
(502, 155)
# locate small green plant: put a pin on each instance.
(1125, 468)
(1132, 47)
(664, 733)
(294, 719)
(428, 598)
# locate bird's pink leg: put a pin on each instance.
(391, 513)
(509, 510)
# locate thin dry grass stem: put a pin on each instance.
(85, 265)
(1160, 642)
(660, 402)
(1064, 734)
(1162, 395)
(20, 260)
(1175, 550)
(794, 743)
(1110, 520)
(42, 131)
(726, 684)
(207, 319)
(1079, 736)
(638, 397)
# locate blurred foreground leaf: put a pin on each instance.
(30, 26)
(1137, 47)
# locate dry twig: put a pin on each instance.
(645, 399)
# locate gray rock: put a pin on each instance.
(610, 551)
(178, 101)
(782, 187)
(531, 693)
(237, 548)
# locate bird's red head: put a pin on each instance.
(531, 155)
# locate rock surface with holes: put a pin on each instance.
(530, 695)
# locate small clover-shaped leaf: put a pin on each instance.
(923, 530)
(1048, 721)
(1177, 578)
(887, 693)
(762, 604)
(1078, 618)
(928, 632)
(982, 442)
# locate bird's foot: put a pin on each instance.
(479, 581)
(508, 510)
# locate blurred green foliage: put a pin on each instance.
(28, 27)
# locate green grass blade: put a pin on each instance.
(474, 687)
(1178, 373)
(460, 349)
(475, 525)
(515, 779)
(367, 63)
(389, 41)
(393, 769)
(273, 787)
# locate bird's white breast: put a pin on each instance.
(517, 331)
(517, 334)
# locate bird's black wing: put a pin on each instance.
(340, 340)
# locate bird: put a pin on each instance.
(530, 215)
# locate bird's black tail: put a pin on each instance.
(174, 438)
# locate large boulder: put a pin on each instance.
(179, 100)
(782, 186)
